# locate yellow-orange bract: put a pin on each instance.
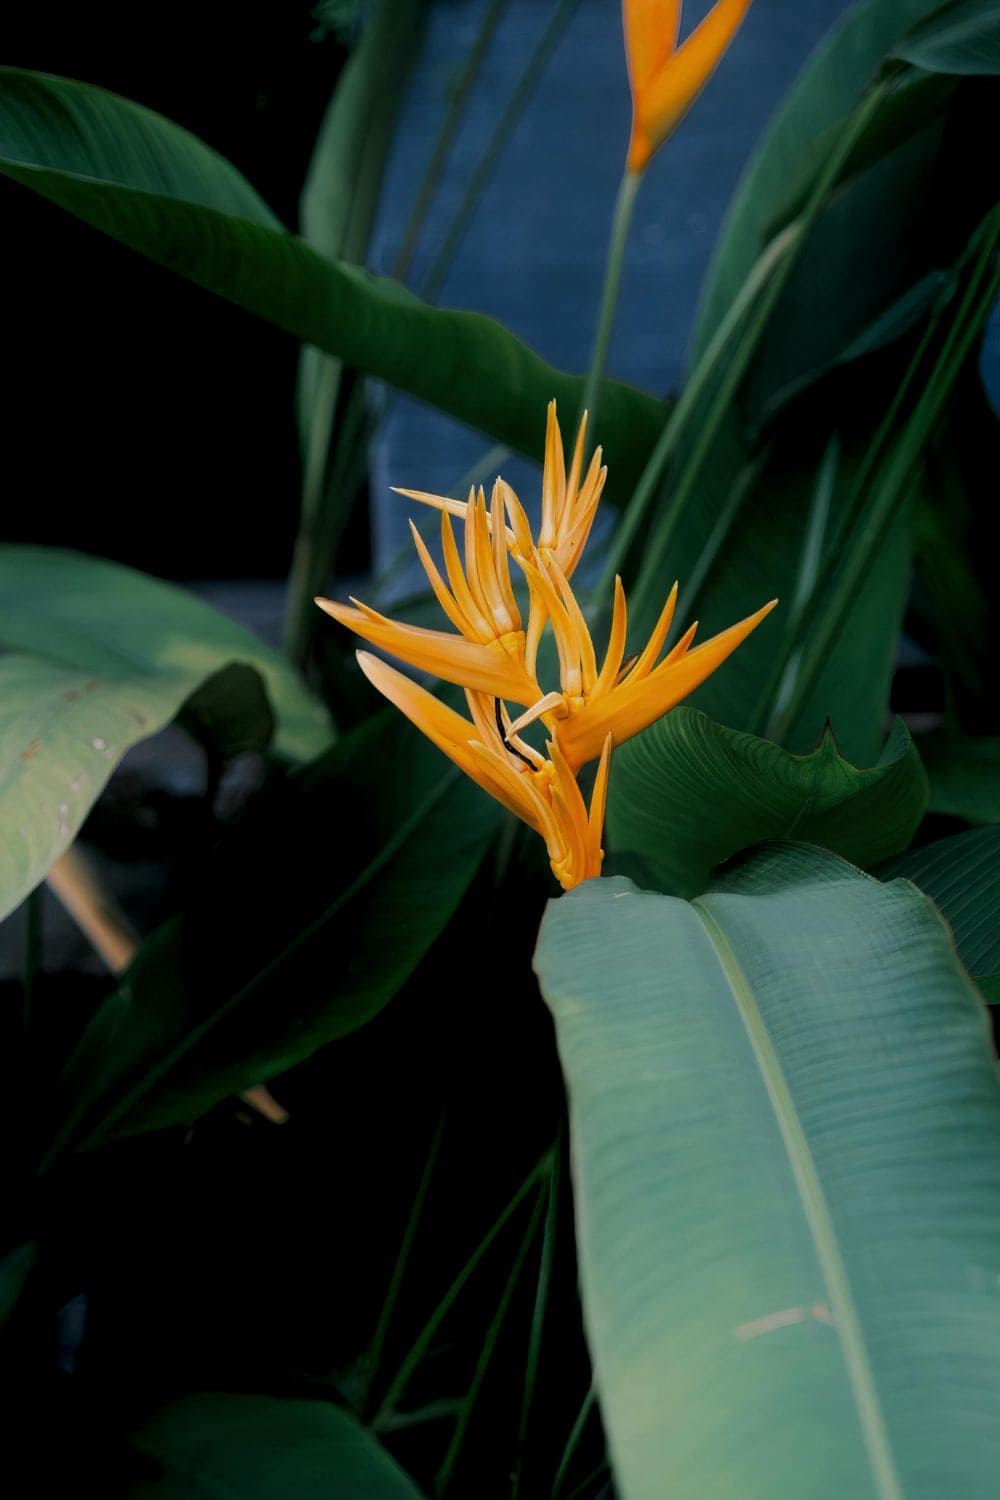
(666, 79)
(494, 658)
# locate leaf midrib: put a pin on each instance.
(888, 1485)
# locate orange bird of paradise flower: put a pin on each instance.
(666, 79)
(494, 657)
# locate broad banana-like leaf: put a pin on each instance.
(784, 1111)
(158, 189)
(101, 657)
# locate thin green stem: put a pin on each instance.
(891, 487)
(624, 204)
(442, 146)
(538, 1315)
(447, 1469)
(573, 1442)
(592, 1478)
(399, 1269)
(423, 1340)
(495, 146)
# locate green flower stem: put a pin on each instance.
(620, 223)
(676, 424)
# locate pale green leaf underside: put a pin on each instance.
(101, 657)
(784, 1111)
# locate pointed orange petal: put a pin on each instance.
(636, 703)
(515, 790)
(476, 547)
(519, 521)
(566, 515)
(545, 705)
(571, 812)
(487, 668)
(553, 479)
(459, 584)
(616, 644)
(651, 28)
(441, 724)
(567, 643)
(654, 645)
(598, 804)
(501, 561)
(440, 502)
(670, 94)
(486, 571)
(584, 643)
(442, 594)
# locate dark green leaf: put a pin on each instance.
(141, 179)
(251, 1447)
(962, 877)
(964, 775)
(784, 1108)
(687, 793)
(306, 924)
(824, 93)
(961, 38)
(230, 712)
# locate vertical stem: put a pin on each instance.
(462, 217)
(396, 1281)
(624, 204)
(439, 154)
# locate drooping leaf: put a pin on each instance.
(783, 1107)
(687, 793)
(824, 93)
(962, 877)
(101, 657)
(960, 38)
(255, 1447)
(139, 178)
(303, 927)
(337, 211)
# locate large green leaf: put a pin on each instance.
(141, 179)
(824, 93)
(249, 1447)
(687, 793)
(962, 877)
(962, 38)
(100, 658)
(337, 211)
(784, 1110)
(304, 925)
